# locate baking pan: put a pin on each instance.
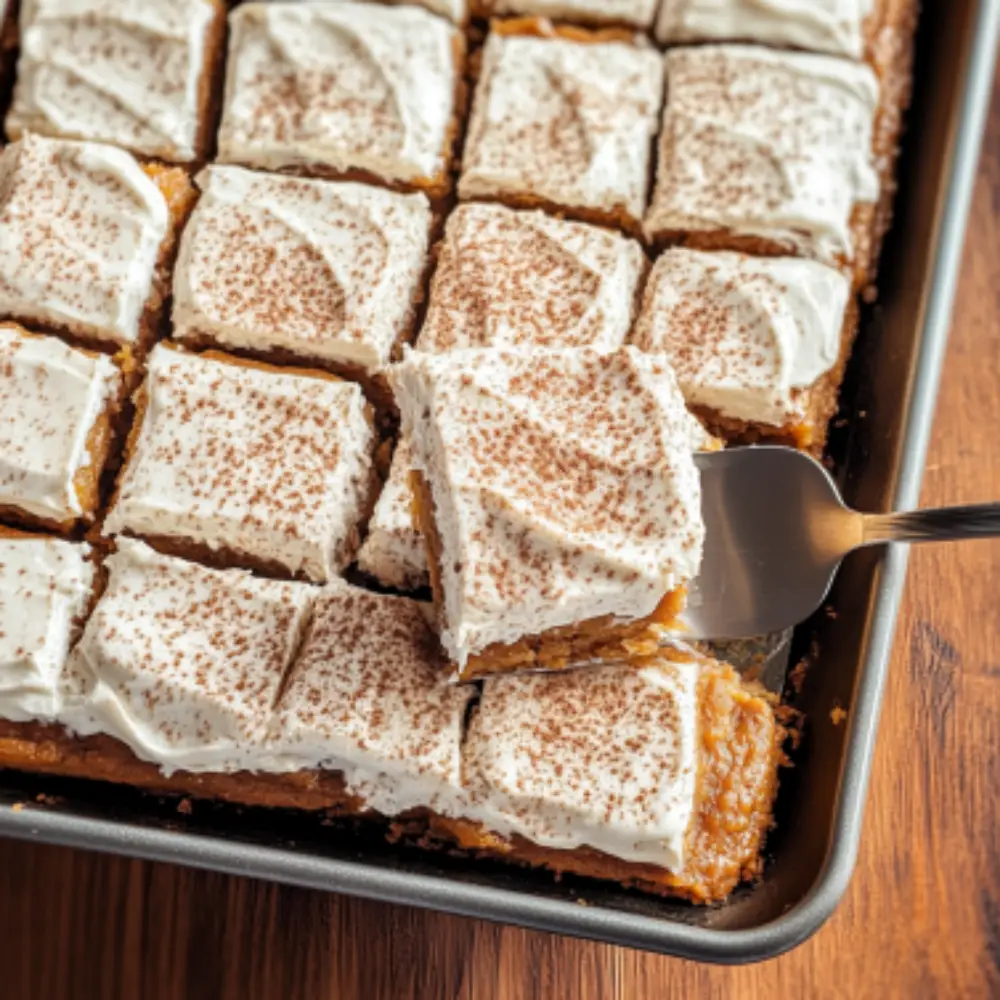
(880, 456)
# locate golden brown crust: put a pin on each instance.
(50, 749)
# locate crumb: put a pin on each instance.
(869, 294)
(837, 715)
(17, 807)
(581, 902)
(862, 414)
(830, 612)
(184, 807)
(46, 800)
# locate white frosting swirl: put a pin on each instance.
(836, 27)
(745, 335)
(45, 585)
(341, 85)
(765, 143)
(50, 398)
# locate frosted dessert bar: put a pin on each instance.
(316, 271)
(237, 462)
(565, 124)
(45, 587)
(352, 90)
(661, 776)
(58, 410)
(770, 153)
(758, 344)
(511, 279)
(558, 498)
(129, 72)
(86, 234)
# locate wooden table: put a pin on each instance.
(922, 917)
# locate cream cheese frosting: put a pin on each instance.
(45, 586)
(455, 10)
(319, 269)
(81, 226)
(745, 335)
(127, 72)
(51, 396)
(766, 143)
(393, 552)
(182, 663)
(368, 696)
(836, 27)
(272, 466)
(507, 278)
(638, 13)
(342, 86)
(606, 758)
(563, 121)
(563, 483)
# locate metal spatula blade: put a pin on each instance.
(776, 530)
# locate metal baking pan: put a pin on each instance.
(890, 399)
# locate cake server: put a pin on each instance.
(776, 531)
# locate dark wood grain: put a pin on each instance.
(922, 918)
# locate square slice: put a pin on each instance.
(183, 663)
(559, 501)
(623, 13)
(58, 409)
(368, 696)
(242, 462)
(758, 344)
(393, 551)
(45, 588)
(351, 90)
(312, 270)
(767, 152)
(524, 279)
(133, 73)
(661, 777)
(564, 124)
(86, 234)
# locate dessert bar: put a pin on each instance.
(58, 414)
(558, 498)
(758, 344)
(129, 72)
(316, 271)
(768, 152)
(342, 89)
(239, 462)
(45, 588)
(86, 236)
(564, 123)
(661, 776)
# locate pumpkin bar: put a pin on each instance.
(340, 89)
(565, 123)
(295, 269)
(58, 414)
(514, 279)
(45, 588)
(660, 776)
(129, 72)
(368, 697)
(238, 462)
(758, 344)
(183, 663)
(559, 501)
(86, 237)
(768, 152)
